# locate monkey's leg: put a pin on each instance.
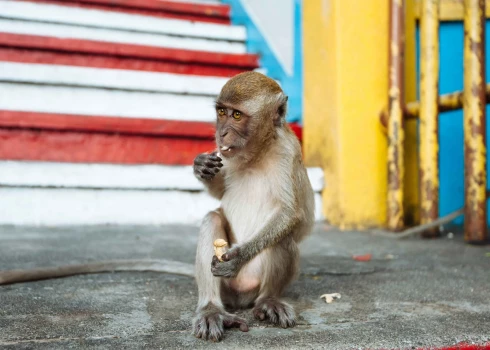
(280, 269)
(211, 317)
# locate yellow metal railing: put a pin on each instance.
(472, 99)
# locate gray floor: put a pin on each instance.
(413, 293)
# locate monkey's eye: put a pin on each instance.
(237, 115)
(221, 111)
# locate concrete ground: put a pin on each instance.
(413, 293)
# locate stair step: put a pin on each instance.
(68, 22)
(203, 11)
(114, 79)
(68, 138)
(105, 102)
(67, 207)
(90, 53)
(71, 194)
(111, 176)
(108, 125)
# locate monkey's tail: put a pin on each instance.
(159, 265)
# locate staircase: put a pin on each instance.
(105, 103)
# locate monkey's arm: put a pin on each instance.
(282, 223)
(215, 186)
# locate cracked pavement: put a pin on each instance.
(412, 293)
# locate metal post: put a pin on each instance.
(395, 119)
(475, 225)
(429, 96)
(447, 102)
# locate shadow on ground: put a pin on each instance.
(413, 293)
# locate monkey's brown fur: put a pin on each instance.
(267, 207)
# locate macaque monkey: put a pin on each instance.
(267, 208)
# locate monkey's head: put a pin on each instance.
(249, 109)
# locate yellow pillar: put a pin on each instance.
(346, 87)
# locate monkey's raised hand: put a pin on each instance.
(230, 266)
(206, 166)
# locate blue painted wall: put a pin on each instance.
(256, 43)
(451, 123)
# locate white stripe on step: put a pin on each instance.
(114, 20)
(110, 103)
(157, 177)
(37, 206)
(110, 78)
(119, 36)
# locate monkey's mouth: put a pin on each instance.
(227, 151)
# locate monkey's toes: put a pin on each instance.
(276, 311)
(234, 321)
(209, 327)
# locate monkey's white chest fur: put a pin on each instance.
(248, 204)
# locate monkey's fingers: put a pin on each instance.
(213, 164)
(214, 156)
(214, 261)
(225, 269)
(236, 322)
(204, 173)
(208, 171)
(231, 254)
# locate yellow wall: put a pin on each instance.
(346, 82)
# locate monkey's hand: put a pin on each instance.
(206, 166)
(233, 261)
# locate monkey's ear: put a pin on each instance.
(281, 111)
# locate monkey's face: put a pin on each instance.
(248, 108)
(231, 129)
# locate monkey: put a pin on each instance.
(266, 209)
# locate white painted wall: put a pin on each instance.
(275, 20)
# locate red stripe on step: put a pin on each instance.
(157, 5)
(76, 147)
(44, 43)
(164, 9)
(95, 61)
(297, 130)
(134, 126)
(70, 138)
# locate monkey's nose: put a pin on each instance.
(224, 133)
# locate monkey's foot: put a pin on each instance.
(278, 312)
(210, 323)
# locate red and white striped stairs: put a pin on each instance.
(105, 103)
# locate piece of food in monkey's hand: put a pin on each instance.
(329, 298)
(220, 248)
